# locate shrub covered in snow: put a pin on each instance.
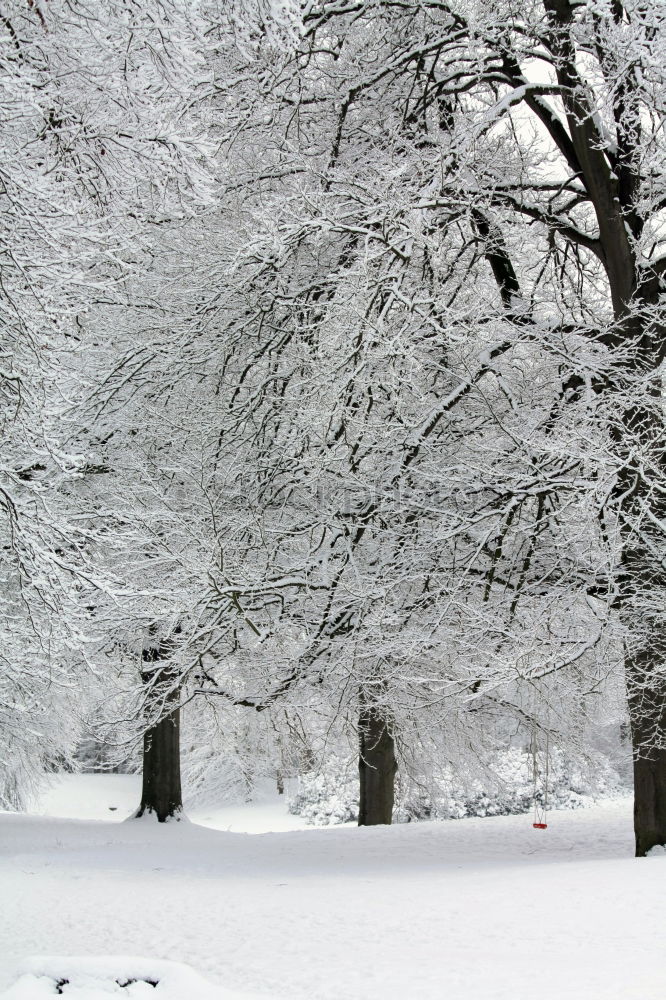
(330, 795)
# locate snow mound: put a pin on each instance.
(655, 852)
(119, 976)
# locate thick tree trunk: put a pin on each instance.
(649, 801)
(642, 591)
(377, 768)
(647, 708)
(161, 794)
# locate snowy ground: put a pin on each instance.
(480, 909)
(116, 796)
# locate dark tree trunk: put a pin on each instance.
(650, 799)
(642, 586)
(647, 709)
(377, 768)
(161, 793)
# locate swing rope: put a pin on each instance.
(540, 807)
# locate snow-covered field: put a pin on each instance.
(479, 909)
(116, 796)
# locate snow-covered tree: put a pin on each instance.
(456, 386)
(92, 102)
(371, 428)
(368, 345)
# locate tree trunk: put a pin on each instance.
(650, 800)
(642, 591)
(647, 710)
(376, 767)
(161, 793)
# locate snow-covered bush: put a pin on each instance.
(508, 788)
(330, 795)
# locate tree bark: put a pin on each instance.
(647, 707)
(161, 793)
(377, 768)
(642, 586)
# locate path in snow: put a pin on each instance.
(478, 909)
